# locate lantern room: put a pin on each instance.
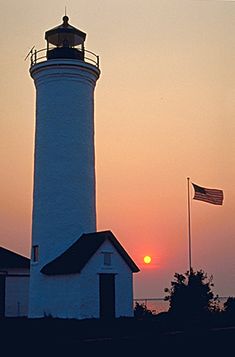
(65, 41)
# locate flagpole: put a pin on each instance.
(189, 228)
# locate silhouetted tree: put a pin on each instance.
(190, 295)
(229, 306)
(141, 311)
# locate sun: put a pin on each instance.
(147, 259)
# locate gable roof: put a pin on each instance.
(9, 259)
(77, 255)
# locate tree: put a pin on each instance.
(190, 295)
(141, 311)
(229, 305)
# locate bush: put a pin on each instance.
(190, 295)
(229, 306)
(141, 311)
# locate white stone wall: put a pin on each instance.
(77, 295)
(59, 297)
(64, 167)
(17, 294)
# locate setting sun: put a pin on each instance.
(147, 259)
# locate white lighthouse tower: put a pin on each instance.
(64, 174)
(75, 272)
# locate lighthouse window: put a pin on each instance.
(107, 258)
(35, 252)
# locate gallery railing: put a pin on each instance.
(37, 56)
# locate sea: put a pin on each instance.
(157, 305)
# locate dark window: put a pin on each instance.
(35, 252)
(107, 258)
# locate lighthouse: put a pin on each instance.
(64, 204)
(73, 268)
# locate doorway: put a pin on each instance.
(107, 296)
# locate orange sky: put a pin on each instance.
(165, 106)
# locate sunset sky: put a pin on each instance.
(164, 110)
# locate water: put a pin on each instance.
(157, 305)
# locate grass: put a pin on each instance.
(159, 334)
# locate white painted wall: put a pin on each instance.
(59, 296)
(77, 295)
(64, 168)
(64, 174)
(17, 293)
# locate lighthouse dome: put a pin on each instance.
(65, 41)
(65, 35)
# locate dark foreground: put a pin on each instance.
(121, 337)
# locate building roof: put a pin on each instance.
(77, 255)
(9, 259)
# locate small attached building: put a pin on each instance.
(93, 278)
(14, 284)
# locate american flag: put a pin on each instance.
(209, 195)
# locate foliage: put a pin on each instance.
(190, 295)
(229, 305)
(141, 311)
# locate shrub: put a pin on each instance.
(190, 295)
(141, 311)
(229, 305)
